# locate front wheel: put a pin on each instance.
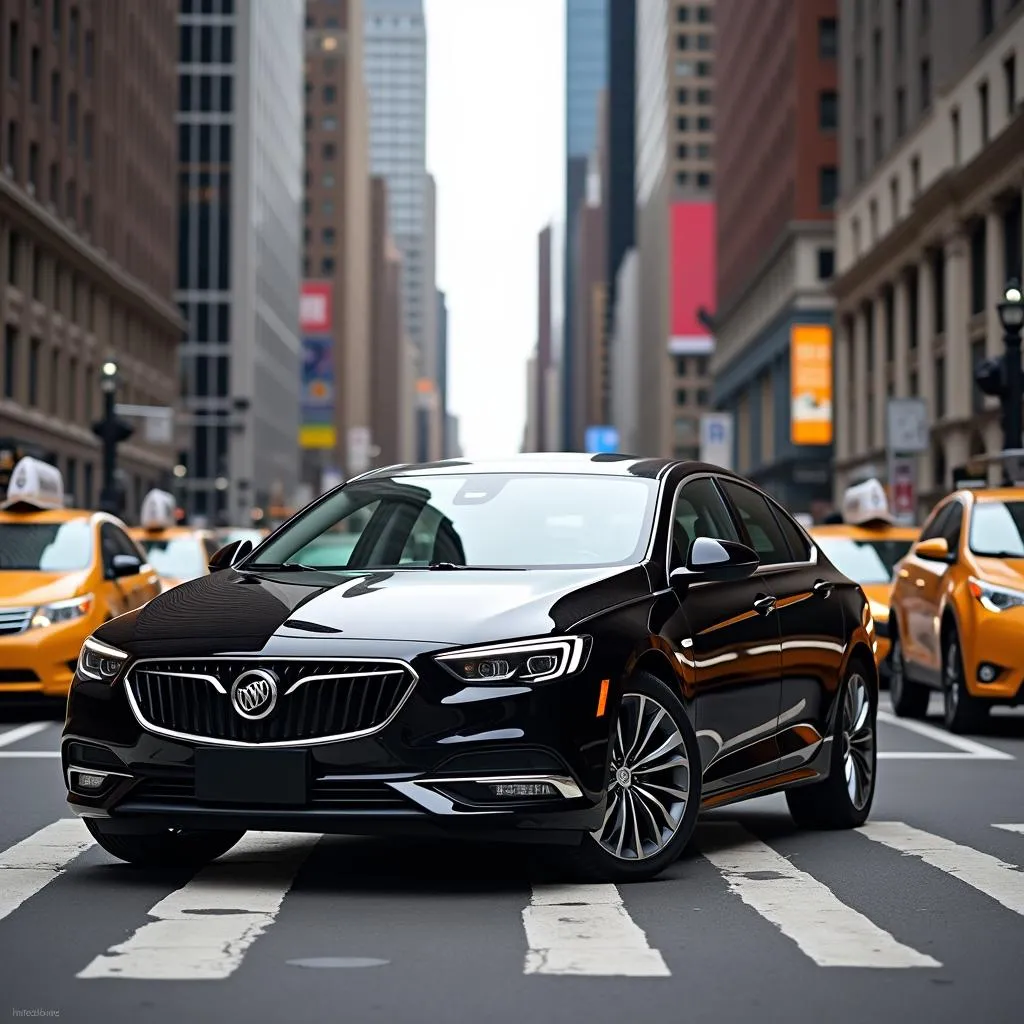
(909, 699)
(654, 785)
(960, 711)
(169, 848)
(843, 799)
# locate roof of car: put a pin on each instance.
(605, 464)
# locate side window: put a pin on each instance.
(124, 545)
(699, 512)
(934, 528)
(799, 548)
(108, 544)
(765, 534)
(951, 526)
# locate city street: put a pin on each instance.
(919, 915)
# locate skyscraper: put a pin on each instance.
(586, 74)
(240, 246)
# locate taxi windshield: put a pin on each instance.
(864, 561)
(180, 558)
(997, 529)
(45, 547)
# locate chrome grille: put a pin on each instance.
(317, 700)
(14, 620)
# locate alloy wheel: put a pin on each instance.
(649, 781)
(858, 739)
(951, 670)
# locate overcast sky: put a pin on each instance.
(495, 144)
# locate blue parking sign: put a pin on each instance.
(602, 439)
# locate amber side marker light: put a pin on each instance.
(602, 698)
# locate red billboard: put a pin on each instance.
(316, 307)
(691, 276)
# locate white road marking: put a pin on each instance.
(202, 930)
(1011, 828)
(802, 908)
(22, 732)
(29, 753)
(919, 755)
(972, 747)
(585, 929)
(32, 864)
(1001, 881)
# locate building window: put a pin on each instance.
(73, 33)
(858, 84)
(682, 151)
(683, 14)
(894, 198)
(703, 124)
(14, 52)
(704, 14)
(682, 365)
(828, 38)
(977, 395)
(912, 284)
(939, 290)
(828, 187)
(13, 148)
(327, 266)
(954, 128)
(682, 178)
(983, 111)
(33, 373)
(926, 84)
(329, 124)
(826, 264)
(889, 308)
(878, 138)
(683, 124)
(682, 397)
(988, 18)
(1012, 239)
(858, 158)
(328, 180)
(10, 359)
(684, 68)
(703, 42)
(828, 110)
(978, 234)
(703, 151)
(33, 75)
(703, 69)
(940, 388)
(915, 176)
(328, 150)
(33, 165)
(87, 54)
(901, 112)
(876, 57)
(1010, 79)
(55, 97)
(328, 236)
(704, 97)
(682, 42)
(898, 17)
(330, 94)
(703, 179)
(682, 95)
(73, 118)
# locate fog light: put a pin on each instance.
(523, 789)
(987, 672)
(89, 781)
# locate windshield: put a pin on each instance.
(46, 547)
(501, 521)
(997, 529)
(182, 558)
(864, 561)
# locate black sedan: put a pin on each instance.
(572, 649)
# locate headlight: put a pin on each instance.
(61, 611)
(528, 661)
(995, 599)
(98, 661)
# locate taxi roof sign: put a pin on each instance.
(158, 510)
(866, 503)
(35, 484)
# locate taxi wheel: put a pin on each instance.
(909, 699)
(961, 711)
(169, 848)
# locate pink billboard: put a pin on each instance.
(691, 276)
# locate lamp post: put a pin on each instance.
(111, 430)
(1011, 316)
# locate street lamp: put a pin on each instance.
(1011, 316)
(111, 430)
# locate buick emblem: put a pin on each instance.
(254, 694)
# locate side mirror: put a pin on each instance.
(125, 565)
(229, 555)
(715, 561)
(934, 549)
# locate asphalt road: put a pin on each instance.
(919, 916)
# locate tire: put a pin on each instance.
(665, 806)
(909, 699)
(842, 800)
(960, 711)
(165, 849)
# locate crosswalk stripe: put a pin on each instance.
(1011, 828)
(202, 930)
(32, 864)
(585, 929)
(802, 908)
(1001, 881)
(22, 732)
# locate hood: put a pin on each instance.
(233, 611)
(20, 589)
(1003, 572)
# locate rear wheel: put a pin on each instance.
(960, 711)
(843, 799)
(653, 786)
(909, 699)
(168, 848)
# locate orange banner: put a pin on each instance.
(810, 360)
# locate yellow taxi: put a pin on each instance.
(63, 573)
(867, 545)
(177, 553)
(958, 609)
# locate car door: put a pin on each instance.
(128, 592)
(144, 586)
(726, 636)
(810, 615)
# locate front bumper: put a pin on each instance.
(428, 769)
(41, 662)
(993, 638)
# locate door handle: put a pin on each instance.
(823, 588)
(765, 605)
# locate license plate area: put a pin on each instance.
(256, 778)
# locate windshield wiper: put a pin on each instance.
(450, 566)
(288, 566)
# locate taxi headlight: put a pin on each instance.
(531, 661)
(995, 599)
(61, 611)
(100, 661)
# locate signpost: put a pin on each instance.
(906, 438)
(716, 438)
(158, 421)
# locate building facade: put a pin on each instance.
(442, 370)
(240, 250)
(928, 229)
(337, 220)
(586, 75)
(777, 177)
(87, 226)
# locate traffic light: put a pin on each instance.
(990, 376)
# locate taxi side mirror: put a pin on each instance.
(934, 549)
(229, 555)
(125, 565)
